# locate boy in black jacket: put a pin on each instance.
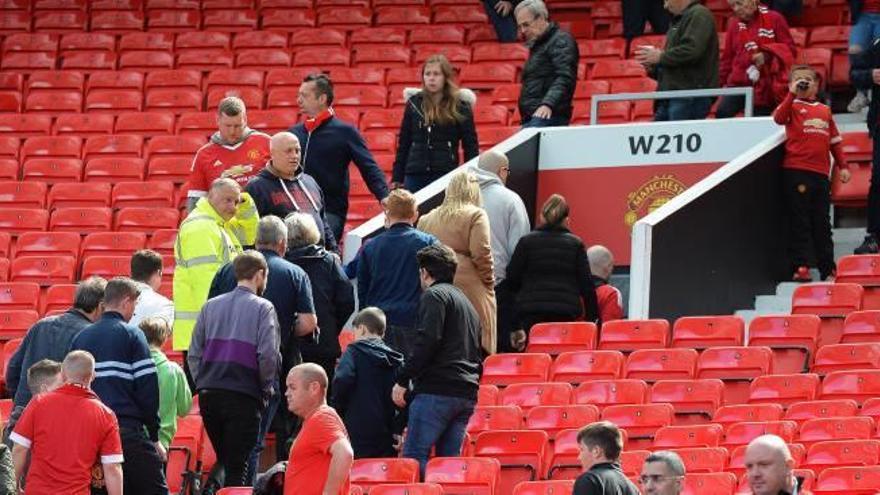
(600, 445)
(362, 388)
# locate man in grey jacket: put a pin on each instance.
(508, 222)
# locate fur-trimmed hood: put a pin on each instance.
(464, 94)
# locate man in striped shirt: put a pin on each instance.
(126, 381)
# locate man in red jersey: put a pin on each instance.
(65, 431)
(609, 297)
(235, 151)
(321, 456)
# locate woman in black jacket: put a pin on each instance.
(438, 118)
(332, 291)
(550, 274)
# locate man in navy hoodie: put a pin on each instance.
(329, 146)
(126, 382)
(388, 274)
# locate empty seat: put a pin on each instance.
(823, 429)
(699, 332)
(25, 125)
(322, 56)
(230, 20)
(803, 411)
(487, 75)
(717, 483)
(841, 357)
(487, 418)
(840, 453)
(408, 489)
(529, 395)
(83, 125)
(144, 219)
(150, 41)
(861, 326)
(48, 244)
(19, 295)
(173, 79)
(853, 480)
(738, 413)
(349, 17)
(14, 323)
(147, 124)
(858, 385)
(552, 487)
(661, 364)
(79, 194)
(53, 81)
(174, 100)
(701, 397)
(576, 367)
(52, 170)
(564, 463)
(81, 220)
(460, 474)
(556, 338)
(701, 459)
(604, 393)
(504, 369)
(743, 433)
(487, 395)
(262, 59)
(155, 194)
(831, 302)
(173, 147)
(44, 269)
(523, 455)
(113, 146)
(51, 147)
(119, 79)
(553, 419)
(784, 389)
(367, 473)
(628, 335)
(114, 170)
(16, 221)
(107, 266)
(791, 337)
(17, 194)
(640, 421)
(673, 437)
(112, 243)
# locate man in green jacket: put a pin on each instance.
(175, 398)
(688, 61)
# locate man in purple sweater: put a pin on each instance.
(234, 361)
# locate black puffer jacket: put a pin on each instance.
(550, 74)
(860, 74)
(550, 274)
(433, 150)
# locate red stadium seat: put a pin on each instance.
(556, 487)
(174, 100)
(689, 397)
(16, 221)
(564, 463)
(28, 61)
(853, 480)
(488, 395)
(173, 20)
(19, 295)
(841, 453)
(5, 245)
(9, 169)
(736, 366)
(408, 489)
(288, 19)
(146, 60)
(12, 21)
(402, 16)
(52, 170)
(738, 413)
(54, 102)
(743, 433)
(150, 41)
(861, 326)
(674, 437)
(348, 18)
(831, 302)
(523, 455)
(147, 124)
(617, 69)
(44, 270)
(700, 332)
(819, 59)
(115, 80)
(10, 101)
(149, 194)
(169, 169)
(449, 14)
(113, 244)
(862, 270)
(262, 58)
(586, 89)
(322, 56)
(783, 389)
(25, 125)
(368, 473)
(173, 147)
(9, 146)
(55, 81)
(114, 101)
(824, 429)
(113, 146)
(282, 98)
(604, 393)
(271, 121)
(641, 421)
(505, 369)
(556, 338)
(477, 476)
(89, 61)
(374, 56)
(386, 119)
(529, 395)
(114, 170)
(30, 42)
(553, 419)
(14, 324)
(48, 244)
(803, 411)
(78, 194)
(173, 79)
(661, 364)
(858, 385)
(258, 39)
(716, 483)
(141, 219)
(107, 266)
(701, 459)
(18, 194)
(240, 20)
(487, 75)
(437, 35)
(117, 22)
(234, 79)
(791, 337)
(576, 367)
(631, 461)
(490, 115)
(60, 21)
(498, 52)
(846, 357)
(629, 335)
(486, 418)
(81, 220)
(83, 125)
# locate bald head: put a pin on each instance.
(769, 465)
(492, 161)
(309, 373)
(78, 367)
(601, 261)
(306, 389)
(285, 150)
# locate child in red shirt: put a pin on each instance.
(810, 135)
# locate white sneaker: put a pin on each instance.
(859, 102)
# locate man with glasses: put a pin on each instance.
(600, 445)
(550, 73)
(662, 474)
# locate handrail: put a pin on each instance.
(748, 92)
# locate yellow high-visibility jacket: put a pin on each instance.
(204, 244)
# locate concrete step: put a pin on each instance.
(772, 304)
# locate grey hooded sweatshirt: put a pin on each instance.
(508, 219)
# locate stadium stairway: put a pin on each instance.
(845, 240)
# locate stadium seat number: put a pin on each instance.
(664, 144)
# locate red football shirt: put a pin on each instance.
(310, 455)
(811, 134)
(610, 303)
(67, 430)
(240, 162)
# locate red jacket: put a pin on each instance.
(767, 32)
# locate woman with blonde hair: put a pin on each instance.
(461, 223)
(550, 274)
(437, 120)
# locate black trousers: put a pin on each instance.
(143, 472)
(808, 196)
(505, 301)
(729, 106)
(874, 193)
(232, 421)
(401, 339)
(637, 12)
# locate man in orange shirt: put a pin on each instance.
(321, 457)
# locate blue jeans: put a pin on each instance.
(553, 121)
(505, 27)
(865, 30)
(436, 421)
(266, 418)
(682, 109)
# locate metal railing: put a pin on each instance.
(748, 92)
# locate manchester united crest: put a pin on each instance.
(650, 196)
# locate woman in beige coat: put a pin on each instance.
(462, 224)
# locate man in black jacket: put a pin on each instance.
(550, 74)
(864, 73)
(446, 363)
(329, 145)
(600, 445)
